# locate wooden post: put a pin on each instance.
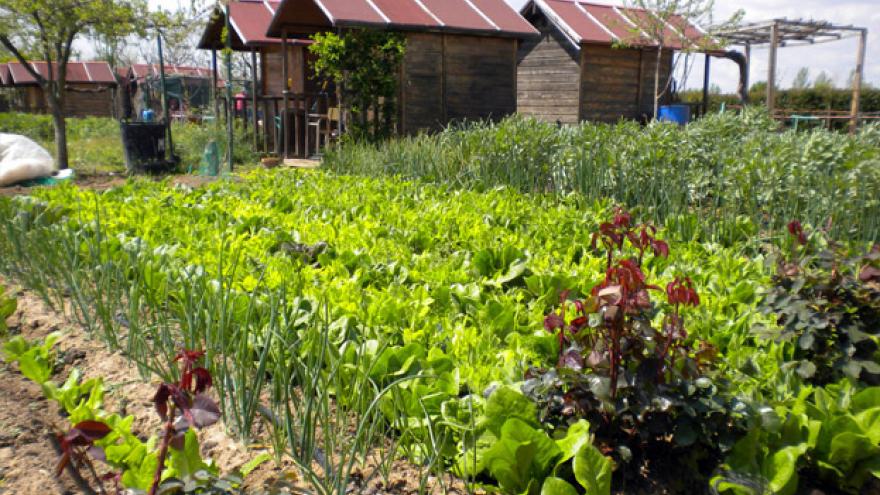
(230, 109)
(857, 81)
(771, 69)
(216, 82)
(706, 84)
(254, 103)
(284, 94)
(748, 51)
(267, 126)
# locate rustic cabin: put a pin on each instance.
(591, 62)
(249, 20)
(5, 88)
(460, 59)
(189, 89)
(91, 89)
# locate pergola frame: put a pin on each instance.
(784, 32)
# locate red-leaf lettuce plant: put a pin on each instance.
(627, 364)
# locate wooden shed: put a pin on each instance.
(91, 89)
(5, 88)
(460, 59)
(249, 20)
(591, 62)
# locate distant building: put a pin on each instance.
(574, 71)
(90, 92)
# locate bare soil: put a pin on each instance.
(28, 420)
(102, 182)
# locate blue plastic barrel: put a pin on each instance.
(680, 114)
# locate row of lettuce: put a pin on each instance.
(433, 304)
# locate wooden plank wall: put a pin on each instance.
(448, 78)
(270, 69)
(480, 77)
(649, 62)
(422, 93)
(548, 76)
(86, 103)
(618, 82)
(90, 103)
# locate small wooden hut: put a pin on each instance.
(249, 20)
(460, 59)
(91, 89)
(5, 88)
(591, 62)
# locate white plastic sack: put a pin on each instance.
(22, 159)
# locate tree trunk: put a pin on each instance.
(657, 81)
(60, 138)
(56, 108)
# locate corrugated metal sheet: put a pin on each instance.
(586, 22)
(5, 79)
(483, 17)
(140, 71)
(77, 73)
(250, 21)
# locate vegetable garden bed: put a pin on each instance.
(522, 343)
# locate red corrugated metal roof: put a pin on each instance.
(140, 71)
(4, 75)
(585, 22)
(484, 17)
(77, 72)
(249, 20)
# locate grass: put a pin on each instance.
(95, 145)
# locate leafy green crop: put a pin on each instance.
(424, 299)
(825, 438)
(724, 177)
(8, 305)
(36, 361)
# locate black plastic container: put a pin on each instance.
(145, 148)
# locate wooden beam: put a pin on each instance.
(216, 82)
(285, 150)
(254, 103)
(771, 69)
(857, 81)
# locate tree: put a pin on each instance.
(823, 82)
(802, 79)
(663, 21)
(49, 28)
(363, 64)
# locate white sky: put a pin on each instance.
(837, 58)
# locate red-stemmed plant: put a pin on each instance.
(183, 405)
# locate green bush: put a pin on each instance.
(797, 99)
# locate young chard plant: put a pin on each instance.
(643, 386)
